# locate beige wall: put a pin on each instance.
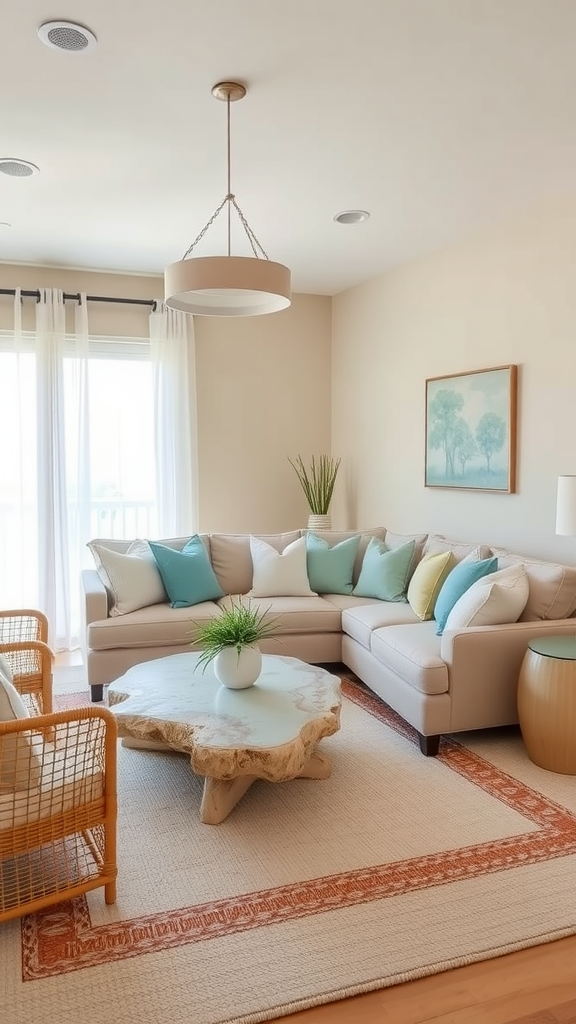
(507, 296)
(264, 391)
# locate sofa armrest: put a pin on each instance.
(483, 667)
(95, 598)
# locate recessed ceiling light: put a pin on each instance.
(67, 35)
(351, 216)
(17, 168)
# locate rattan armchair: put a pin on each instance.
(58, 808)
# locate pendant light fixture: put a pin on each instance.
(227, 285)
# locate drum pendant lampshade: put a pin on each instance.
(228, 285)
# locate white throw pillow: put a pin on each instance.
(131, 579)
(497, 598)
(19, 765)
(279, 575)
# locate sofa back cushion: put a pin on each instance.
(232, 560)
(552, 586)
(397, 540)
(437, 543)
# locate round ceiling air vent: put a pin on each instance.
(17, 168)
(67, 35)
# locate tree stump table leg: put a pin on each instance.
(221, 796)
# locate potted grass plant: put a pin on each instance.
(231, 640)
(317, 480)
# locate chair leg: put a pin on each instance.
(110, 893)
(97, 692)
(429, 745)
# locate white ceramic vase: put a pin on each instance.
(238, 671)
(319, 522)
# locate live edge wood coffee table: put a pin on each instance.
(233, 737)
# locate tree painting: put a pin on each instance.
(470, 430)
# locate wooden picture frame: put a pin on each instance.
(471, 430)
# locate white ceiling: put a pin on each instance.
(440, 117)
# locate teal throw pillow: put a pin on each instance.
(385, 572)
(457, 582)
(187, 575)
(330, 568)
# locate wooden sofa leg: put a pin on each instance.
(429, 745)
(97, 693)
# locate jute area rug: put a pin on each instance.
(396, 867)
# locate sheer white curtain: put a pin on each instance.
(18, 460)
(51, 469)
(63, 460)
(172, 350)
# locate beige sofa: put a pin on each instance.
(461, 680)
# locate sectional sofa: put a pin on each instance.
(436, 627)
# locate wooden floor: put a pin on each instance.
(532, 986)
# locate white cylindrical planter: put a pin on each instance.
(238, 671)
(319, 522)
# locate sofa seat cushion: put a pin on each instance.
(359, 620)
(298, 614)
(412, 651)
(158, 625)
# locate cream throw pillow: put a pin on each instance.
(19, 764)
(278, 574)
(495, 599)
(131, 579)
(427, 579)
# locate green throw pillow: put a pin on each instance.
(330, 568)
(457, 582)
(385, 571)
(187, 575)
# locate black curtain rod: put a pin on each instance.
(76, 296)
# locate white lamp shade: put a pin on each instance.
(566, 506)
(227, 286)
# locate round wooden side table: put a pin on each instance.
(547, 703)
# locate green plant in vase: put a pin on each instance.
(317, 481)
(230, 639)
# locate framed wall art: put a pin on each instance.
(471, 430)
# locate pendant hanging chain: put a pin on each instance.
(230, 199)
(228, 162)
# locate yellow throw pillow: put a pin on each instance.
(426, 582)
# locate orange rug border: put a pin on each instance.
(61, 939)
